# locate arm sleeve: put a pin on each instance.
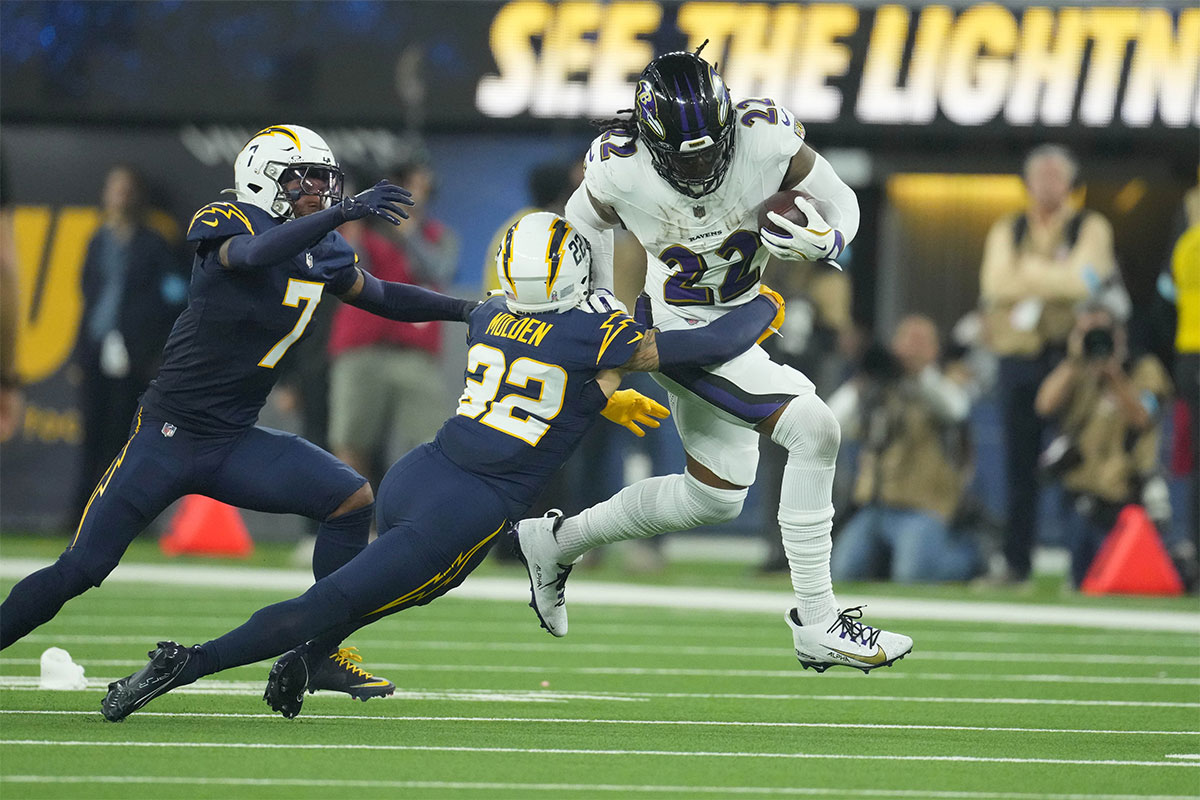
(718, 341)
(404, 303)
(582, 214)
(832, 197)
(947, 399)
(283, 241)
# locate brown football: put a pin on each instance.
(782, 203)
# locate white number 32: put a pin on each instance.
(479, 401)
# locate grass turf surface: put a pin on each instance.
(637, 702)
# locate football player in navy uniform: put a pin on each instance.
(263, 264)
(542, 363)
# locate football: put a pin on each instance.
(782, 203)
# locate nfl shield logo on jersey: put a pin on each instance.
(168, 430)
(308, 259)
(698, 211)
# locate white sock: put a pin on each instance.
(648, 508)
(811, 434)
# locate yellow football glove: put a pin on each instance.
(776, 323)
(630, 409)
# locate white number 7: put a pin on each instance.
(297, 290)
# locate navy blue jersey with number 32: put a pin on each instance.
(531, 393)
(219, 362)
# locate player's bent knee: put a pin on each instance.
(361, 498)
(808, 428)
(81, 571)
(709, 505)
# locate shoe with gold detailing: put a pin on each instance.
(340, 672)
(846, 641)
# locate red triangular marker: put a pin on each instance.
(1132, 560)
(203, 526)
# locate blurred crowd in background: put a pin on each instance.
(1083, 411)
(1066, 392)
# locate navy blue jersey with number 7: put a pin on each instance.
(220, 361)
(531, 393)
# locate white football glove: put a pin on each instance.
(816, 242)
(602, 301)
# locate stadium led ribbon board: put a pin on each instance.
(1088, 66)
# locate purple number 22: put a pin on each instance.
(681, 290)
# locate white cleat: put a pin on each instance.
(847, 642)
(534, 544)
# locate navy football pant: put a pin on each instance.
(259, 469)
(436, 522)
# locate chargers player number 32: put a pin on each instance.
(479, 401)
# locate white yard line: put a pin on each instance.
(667, 650)
(857, 698)
(624, 789)
(585, 592)
(966, 759)
(1128, 640)
(254, 688)
(545, 671)
(633, 722)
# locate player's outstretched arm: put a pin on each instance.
(401, 302)
(715, 343)
(294, 236)
(595, 222)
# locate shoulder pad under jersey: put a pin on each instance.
(611, 167)
(222, 220)
(770, 130)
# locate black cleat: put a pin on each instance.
(295, 672)
(287, 682)
(340, 673)
(161, 675)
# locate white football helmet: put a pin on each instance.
(544, 264)
(278, 155)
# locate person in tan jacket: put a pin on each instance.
(1038, 266)
(1109, 409)
(908, 416)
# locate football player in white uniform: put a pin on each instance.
(687, 175)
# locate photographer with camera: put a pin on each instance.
(1108, 408)
(1037, 266)
(908, 417)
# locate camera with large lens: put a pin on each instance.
(1098, 344)
(1060, 457)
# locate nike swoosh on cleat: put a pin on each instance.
(368, 685)
(878, 657)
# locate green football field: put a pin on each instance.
(638, 701)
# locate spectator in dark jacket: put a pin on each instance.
(133, 289)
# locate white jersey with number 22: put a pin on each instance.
(703, 255)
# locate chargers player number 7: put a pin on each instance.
(297, 290)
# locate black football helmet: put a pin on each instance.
(685, 118)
